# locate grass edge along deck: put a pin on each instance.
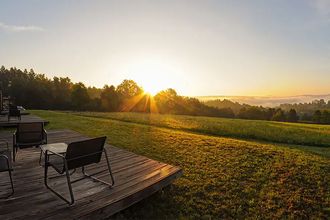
(137, 178)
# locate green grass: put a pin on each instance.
(223, 177)
(279, 132)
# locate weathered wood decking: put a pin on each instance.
(24, 118)
(136, 177)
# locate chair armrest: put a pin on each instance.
(4, 156)
(54, 153)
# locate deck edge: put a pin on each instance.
(132, 199)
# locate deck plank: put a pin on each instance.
(136, 177)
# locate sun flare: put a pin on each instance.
(151, 88)
(154, 76)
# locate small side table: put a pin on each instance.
(59, 148)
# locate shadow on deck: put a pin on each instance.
(136, 178)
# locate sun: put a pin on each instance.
(155, 75)
(151, 89)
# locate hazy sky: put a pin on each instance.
(255, 47)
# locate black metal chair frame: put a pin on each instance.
(66, 169)
(17, 145)
(9, 169)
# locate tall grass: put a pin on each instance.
(279, 132)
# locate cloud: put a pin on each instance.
(16, 28)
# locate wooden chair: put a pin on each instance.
(29, 135)
(78, 154)
(6, 165)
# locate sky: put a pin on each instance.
(198, 47)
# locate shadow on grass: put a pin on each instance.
(161, 205)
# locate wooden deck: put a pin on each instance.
(136, 177)
(24, 118)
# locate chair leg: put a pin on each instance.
(12, 187)
(68, 181)
(46, 174)
(11, 182)
(41, 152)
(109, 167)
(69, 185)
(97, 179)
(40, 157)
(10, 177)
(14, 153)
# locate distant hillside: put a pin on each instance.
(225, 103)
(308, 108)
(267, 101)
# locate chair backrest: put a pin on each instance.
(32, 132)
(83, 153)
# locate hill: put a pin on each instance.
(267, 101)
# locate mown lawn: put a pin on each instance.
(223, 177)
(279, 132)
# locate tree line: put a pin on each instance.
(317, 111)
(308, 108)
(36, 91)
(320, 117)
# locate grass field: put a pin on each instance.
(279, 132)
(223, 177)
